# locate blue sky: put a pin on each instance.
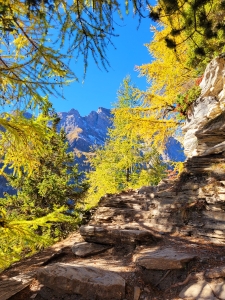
(100, 87)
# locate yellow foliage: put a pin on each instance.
(124, 161)
(19, 239)
(167, 74)
(23, 141)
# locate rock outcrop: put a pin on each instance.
(203, 112)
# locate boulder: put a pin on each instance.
(89, 282)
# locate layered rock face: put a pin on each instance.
(191, 206)
(203, 129)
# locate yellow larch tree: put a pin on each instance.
(196, 23)
(126, 160)
(168, 76)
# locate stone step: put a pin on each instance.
(89, 282)
(204, 290)
(160, 213)
(214, 225)
(215, 234)
(160, 227)
(113, 236)
(84, 249)
(166, 202)
(166, 193)
(214, 216)
(198, 164)
(10, 287)
(152, 224)
(110, 214)
(162, 258)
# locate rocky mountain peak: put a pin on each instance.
(84, 132)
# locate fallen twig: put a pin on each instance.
(164, 276)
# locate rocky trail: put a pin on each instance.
(119, 255)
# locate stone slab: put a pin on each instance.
(85, 249)
(162, 259)
(203, 290)
(90, 282)
(112, 236)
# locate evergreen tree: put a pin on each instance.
(46, 204)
